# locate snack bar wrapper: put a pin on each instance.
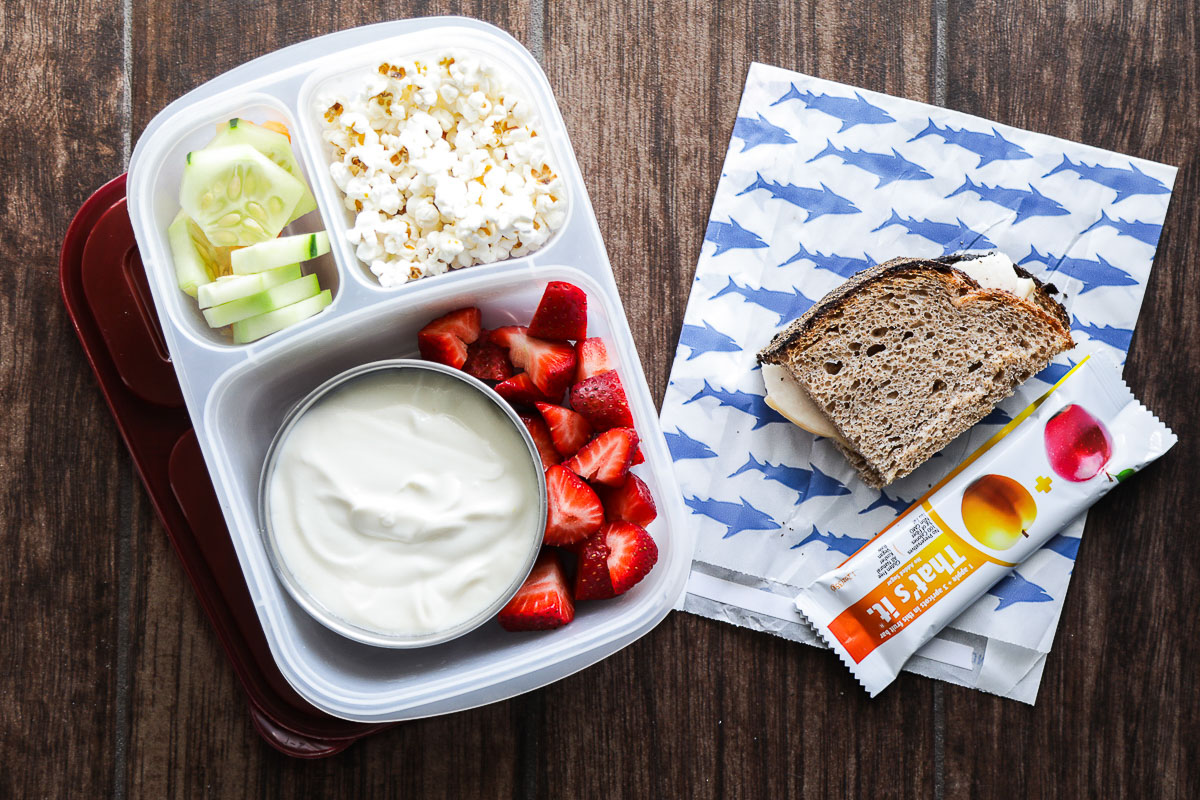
(1046, 467)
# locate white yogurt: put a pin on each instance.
(404, 502)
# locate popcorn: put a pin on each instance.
(442, 165)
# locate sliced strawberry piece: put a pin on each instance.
(638, 458)
(562, 313)
(550, 365)
(445, 339)
(631, 502)
(605, 459)
(569, 430)
(591, 357)
(631, 554)
(601, 399)
(487, 360)
(575, 510)
(543, 601)
(519, 389)
(591, 579)
(541, 439)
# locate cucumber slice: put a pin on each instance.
(273, 321)
(237, 195)
(235, 287)
(271, 300)
(271, 144)
(197, 261)
(284, 250)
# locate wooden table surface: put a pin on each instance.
(114, 683)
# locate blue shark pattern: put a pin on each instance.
(706, 339)
(845, 266)
(1015, 589)
(1055, 372)
(887, 167)
(850, 110)
(683, 446)
(988, 146)
(736, 517)
(731, 236)
(753, 404)
(817, 202)
(809, 483)
(1125, 182)
(1065, 546)
(846, 545)
(754, 132)
(997, 416)
(787, 305)
(897, 504)
(1146, 232)
(952, 238)
(1092, 273)
(1026, 204)
(1116, 337)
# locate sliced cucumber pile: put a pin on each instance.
(277, 252)
(237, 195)
(248, 330)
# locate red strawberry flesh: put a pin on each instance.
(543, 601)
(569, 430)
(605, 459)
(550, 365)
(541, 439)
(561, 314)
(519, 389)
(632, 553)
(445, 339)
(591, 578)
(487, 360)
(575, 512)
(630, 502)
(592, 358)
(601, 400)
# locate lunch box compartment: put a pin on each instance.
(237, 396)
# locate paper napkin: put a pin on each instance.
(822, 180)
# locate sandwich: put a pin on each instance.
(904, 356)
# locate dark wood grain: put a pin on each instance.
(64, 482)
(115, 683)
(1118, 714)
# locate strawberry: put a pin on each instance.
(520, 389)
(562, 313)
(486, 360)
(550, 365)
(631, 554)
(631, 502)
(601, 399)
(591, 579)
(575, 510)
(445, 339)
(568, 429)
(638, 458)
(541, 439)
(591, 357)
(605, 459)
(543, 600)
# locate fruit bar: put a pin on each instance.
(598, 509)
(1007, 499)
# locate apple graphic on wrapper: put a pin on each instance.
(1077, 444)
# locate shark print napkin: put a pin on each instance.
(822, 180)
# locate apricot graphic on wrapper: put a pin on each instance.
(998, 511)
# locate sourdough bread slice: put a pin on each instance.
(906, 355)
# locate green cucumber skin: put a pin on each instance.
(216, 293)
(277, 252)
(254, 328)
(273, 299)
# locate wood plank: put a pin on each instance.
(63, 478)
(698, 708)
(1118, 713)
(191, 731)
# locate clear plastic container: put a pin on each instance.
(238, 395)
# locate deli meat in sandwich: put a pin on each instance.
(903, 357)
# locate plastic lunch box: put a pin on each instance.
(237, 396)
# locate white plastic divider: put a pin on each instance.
(237, 395)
